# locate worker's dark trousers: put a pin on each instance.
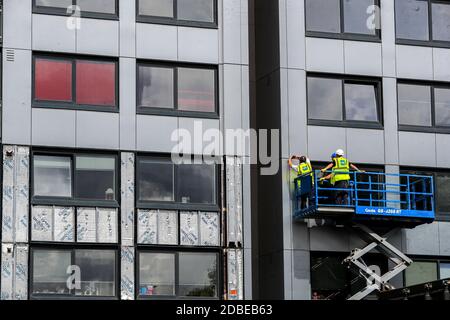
(341, 196)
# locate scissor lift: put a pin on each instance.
(373, 201)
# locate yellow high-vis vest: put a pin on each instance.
(303, 169)
(341, 170)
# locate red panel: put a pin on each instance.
(96, 83)
(53, 80)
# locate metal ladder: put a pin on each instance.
(379, 243)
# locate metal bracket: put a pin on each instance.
(379, 243)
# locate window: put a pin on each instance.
(441, 191)
(97, 272)
(161, 181)
(52, 176)
(341, 19)
(74, 178)
(106, 9)
(344, 102)
(423, 107)
(178, 274)
(61, 82)
(185, 90)
(201, 13)
(422, 271)
(422, 22)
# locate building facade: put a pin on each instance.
(95, 96)
(367, 76)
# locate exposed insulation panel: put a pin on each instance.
(209, 229)
(42, 223)
(107, 225)
(167, 227)
(64, 222)
(148, 226)
(235, 274)
(127, 273)
(14, 274)
(127, 198)
(86, 225)
(189, 228)
(234, 199)
(15, 194)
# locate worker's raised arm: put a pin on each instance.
(328, 167)
(355, 167)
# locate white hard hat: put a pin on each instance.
(340, 152)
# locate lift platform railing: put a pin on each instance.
(369, 194)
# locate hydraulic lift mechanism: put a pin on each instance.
(374, 201)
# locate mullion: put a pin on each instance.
(344, 111)
(175, 87)
(430, 20)
(175, 10)
(341, 12)
(433, 106)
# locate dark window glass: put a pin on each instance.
(156, 87)
(414, 104)
(50, 271)
(444, 270)
(95, 177)
(441, 21)
(328, 275)
(54, 3)
(323, 16)
(442, 106)
(53, 80)
(356, 17)
(157, 274)
(96, 83)
(361, 102)
(196, 184)
(158, 8)
(156, 180)
(420, 272)
(411, 17)
(196, 10)
(98, 272)
(324, 99)
(198, 275)
(196, 89)
(89, 6)
(52, 176)
(100, 6)
(442, 192)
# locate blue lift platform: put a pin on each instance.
(372, 198)
(372, 201)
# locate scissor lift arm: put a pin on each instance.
(381, 244)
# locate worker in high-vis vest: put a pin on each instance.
(303, 168)
(340, 176)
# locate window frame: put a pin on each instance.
(176, 251)
(435, 260)
(73, 201)
(342, 35)
(439, 216)
(417, 128)
(175, 111)
(175, 21)
(72, 248)
(423, 43)
(83, 14)
(73, 105)
(175, 205)
(377, 82)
